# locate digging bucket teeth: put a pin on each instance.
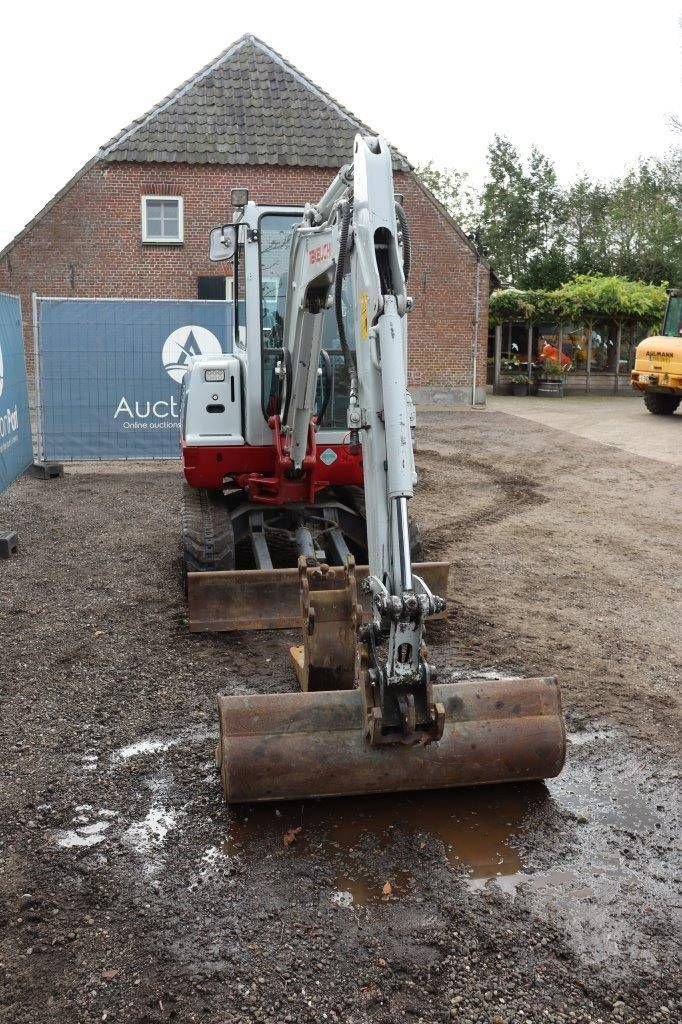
(289, 746)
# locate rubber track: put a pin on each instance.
(207, 535)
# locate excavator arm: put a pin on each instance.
(353, 232)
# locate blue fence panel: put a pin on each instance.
(16, 446)
(110, 372)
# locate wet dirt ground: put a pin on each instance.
(130, 893)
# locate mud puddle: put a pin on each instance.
(474, 825)
(606, 815)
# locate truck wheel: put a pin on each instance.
(661, 405)
(207, 534)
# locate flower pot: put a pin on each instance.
(520, 389)
(551, 388)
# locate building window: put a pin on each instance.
(162, 220)
(214, 287)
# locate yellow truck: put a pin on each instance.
(658, 362)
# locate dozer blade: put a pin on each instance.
(287, 746)
(269, 598)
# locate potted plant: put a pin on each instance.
(551, 379)
(509, 365)
(519, 384)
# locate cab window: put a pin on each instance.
(275, 235)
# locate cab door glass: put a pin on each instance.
(336, 415)
(275, 236)
(672, 328)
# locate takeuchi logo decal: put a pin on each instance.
(182, 344)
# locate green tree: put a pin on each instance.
(539, 235)
(453, 189)
(645, 221)
(506, 214)
(585, 227)
(521, 217)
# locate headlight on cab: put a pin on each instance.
(214, 376)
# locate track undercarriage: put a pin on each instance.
(260, 548)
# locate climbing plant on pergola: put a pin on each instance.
(587, 299)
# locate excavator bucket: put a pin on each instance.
(286, 746)
(332, 738)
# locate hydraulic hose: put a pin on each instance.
(349, 357)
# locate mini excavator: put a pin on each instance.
(298, 461)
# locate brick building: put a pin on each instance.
(134, 221)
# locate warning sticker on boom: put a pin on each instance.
(364, 326)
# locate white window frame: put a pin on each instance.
(147, 240)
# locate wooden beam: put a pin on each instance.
(498, 358)
(530, 354)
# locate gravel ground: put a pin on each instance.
(130, 893)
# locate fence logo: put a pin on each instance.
(2, 373)
(184, 343)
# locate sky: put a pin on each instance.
(592, 82)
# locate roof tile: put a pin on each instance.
(249, 106)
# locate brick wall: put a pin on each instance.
(88, 244)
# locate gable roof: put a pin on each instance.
(248, 106)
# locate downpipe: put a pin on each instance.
(477, 324)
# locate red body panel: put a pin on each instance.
(207, 466)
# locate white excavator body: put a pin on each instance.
(305, 432)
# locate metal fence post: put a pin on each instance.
(36, 372)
